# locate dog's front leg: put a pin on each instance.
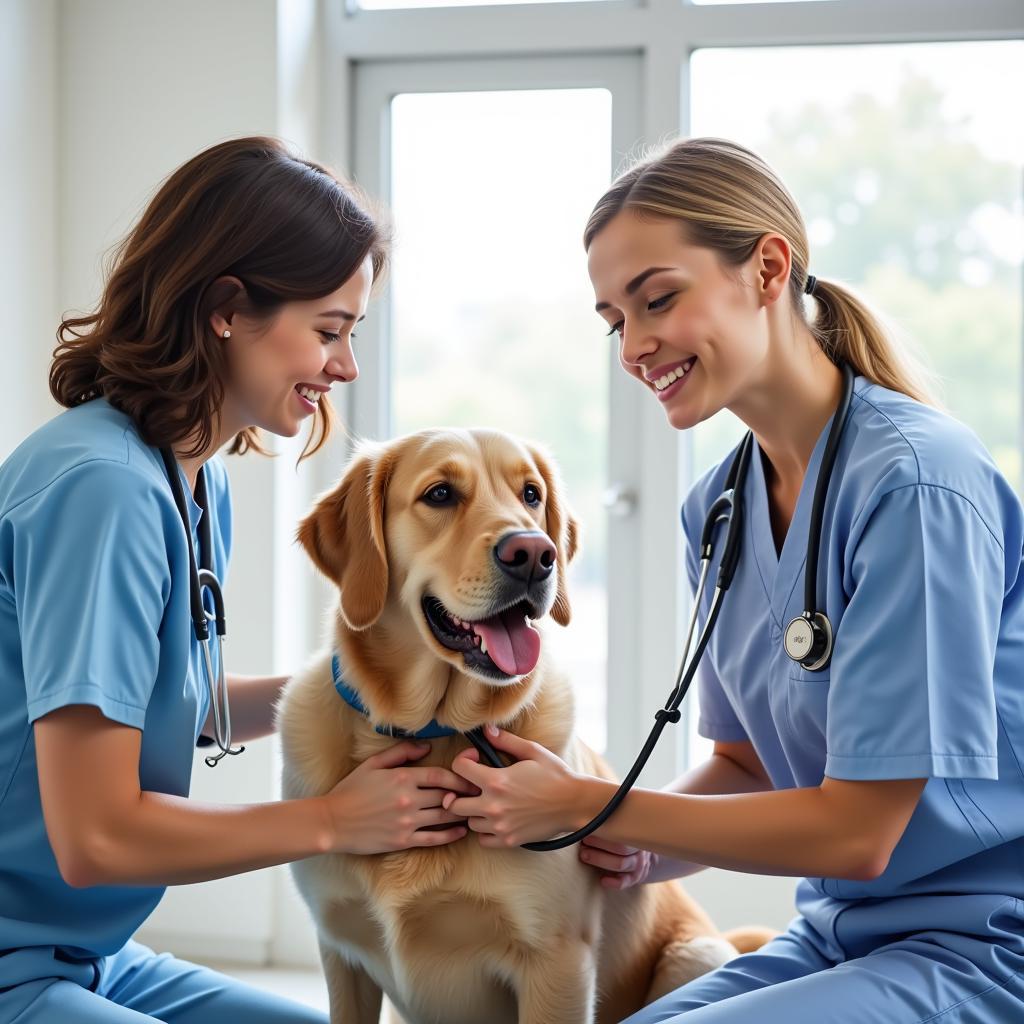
(355, 998)
(559, 986)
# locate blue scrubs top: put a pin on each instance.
(920, 568)
(94, 609)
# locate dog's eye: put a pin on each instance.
(440, 494)
(531, 495)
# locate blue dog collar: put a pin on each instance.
(431, 731)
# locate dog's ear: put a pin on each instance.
(562, 528)
(344, 536)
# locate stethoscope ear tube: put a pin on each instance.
(734, 535)
(218, 693)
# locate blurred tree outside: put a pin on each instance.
(901, 204)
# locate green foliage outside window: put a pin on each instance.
(901, 204)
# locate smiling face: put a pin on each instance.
(459, 536)
(277, 372)
(690, 330)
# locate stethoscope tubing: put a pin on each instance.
(204, 579)
(821, 491)
(669, 713)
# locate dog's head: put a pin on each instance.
(466, 532)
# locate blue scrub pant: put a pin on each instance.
(136, 985)
(862, 970)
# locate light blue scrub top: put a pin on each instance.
(94, 609)
(920, 568)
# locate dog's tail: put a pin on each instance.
(749, 938)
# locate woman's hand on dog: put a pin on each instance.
(620, 866)
(529, 800)
(385, 804)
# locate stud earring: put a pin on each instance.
(226, 334)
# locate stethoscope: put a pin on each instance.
(200, 579)
(808, 637)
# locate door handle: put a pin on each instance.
(620, 501)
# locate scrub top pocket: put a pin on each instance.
(807, 711)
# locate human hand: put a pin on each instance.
(620, 866)
(529, 800)
(385, 804)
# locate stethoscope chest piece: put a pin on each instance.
(808, 640)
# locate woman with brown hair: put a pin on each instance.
(230, 309)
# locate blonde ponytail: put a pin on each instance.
(848, 330)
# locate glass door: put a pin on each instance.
(490, 172)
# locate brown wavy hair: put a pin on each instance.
(287, 228)
(727, 198)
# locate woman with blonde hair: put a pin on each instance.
(230, 309)
(862, 679)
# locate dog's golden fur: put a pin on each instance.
(460, 934)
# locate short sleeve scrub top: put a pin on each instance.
(94, 609)
(920, 571)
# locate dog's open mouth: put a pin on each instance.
(504, 644)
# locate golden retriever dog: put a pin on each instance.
(448, 548)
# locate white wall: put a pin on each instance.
(28, 220)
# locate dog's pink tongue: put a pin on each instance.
(512, 644)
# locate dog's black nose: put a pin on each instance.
(526, 556)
